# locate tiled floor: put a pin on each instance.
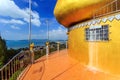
(59, 66)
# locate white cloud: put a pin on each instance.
(35, 20)
(59, 33)
(35, 4)
(12, 21)
(8, 8)
(56, 31)
(15, 27)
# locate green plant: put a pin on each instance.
(3, 49)
(16, 74)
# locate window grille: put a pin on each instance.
(100, 33)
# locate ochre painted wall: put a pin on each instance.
(105, 54)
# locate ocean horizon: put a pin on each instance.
(16, 44)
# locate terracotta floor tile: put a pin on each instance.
(60, 66)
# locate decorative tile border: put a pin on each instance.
(117, 16)
(96, 21)
(111, 18)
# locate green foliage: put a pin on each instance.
(10, 53)
(3, 49)
(53, 43)
(39, 53)
(62, 46)
(16, 74)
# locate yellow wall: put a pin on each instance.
(105, 54)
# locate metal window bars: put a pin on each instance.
(109, 8)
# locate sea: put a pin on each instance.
(16, 44)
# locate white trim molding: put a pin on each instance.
(96, 21)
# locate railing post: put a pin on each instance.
(58, 46)
(66, 44)
(47, 48)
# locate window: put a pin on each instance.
(97, 33)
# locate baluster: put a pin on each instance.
(13, 68)
(17, 63)
(20, 63)
(107, 10)
(116, 5)
(2, 76)
(111, 7)
(6, 73)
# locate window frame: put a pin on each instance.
(100, 33)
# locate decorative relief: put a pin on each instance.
(111, 18)
(79, 25)
(117, 16)
(96, 21)
(82, 25)
(93, 22)
(104, 19)
(89, 23)
(86, 24)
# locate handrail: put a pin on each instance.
(109, 8)
(12, 69)
(11, 60)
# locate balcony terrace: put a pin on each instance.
(60, 66)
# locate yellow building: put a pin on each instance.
(94, 32)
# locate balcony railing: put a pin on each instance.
(109, 8)
(19, 62)
(12, 69)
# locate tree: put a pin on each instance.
(3, 50)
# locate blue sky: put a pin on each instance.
(14, 19)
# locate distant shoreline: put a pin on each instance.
(18, 44)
